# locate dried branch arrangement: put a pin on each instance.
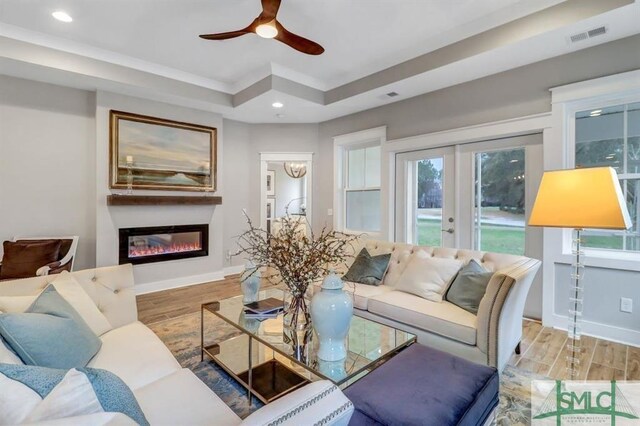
(299, 258)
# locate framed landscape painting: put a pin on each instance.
(161, 154)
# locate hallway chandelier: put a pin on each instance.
(295, 170)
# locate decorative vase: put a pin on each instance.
(250, 283)
(334, 370)
(331, 312)
(250, 324)
(296, 313)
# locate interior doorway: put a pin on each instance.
(286, 186)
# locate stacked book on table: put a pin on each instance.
(264, 309)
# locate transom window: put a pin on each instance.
(611, 137)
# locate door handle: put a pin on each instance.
(448, 231)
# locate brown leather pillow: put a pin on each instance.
(22, 259)
(65, 245)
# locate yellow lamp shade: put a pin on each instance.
(581, 198)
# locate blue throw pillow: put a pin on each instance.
(113, 394)
(50, 333)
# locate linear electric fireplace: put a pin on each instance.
(162, 243)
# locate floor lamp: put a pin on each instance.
(579, 199)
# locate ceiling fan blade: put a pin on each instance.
(299, 43)
(270, 9)
(227, 35)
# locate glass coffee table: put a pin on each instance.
(270, 362)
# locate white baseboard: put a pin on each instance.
(601, 331)
(178, 282)
(187, 281)
(233, 270)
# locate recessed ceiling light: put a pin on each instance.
(277, 104)
(596, 112)
(61, 15)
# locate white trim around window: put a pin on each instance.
(341, 145)
(566, 101)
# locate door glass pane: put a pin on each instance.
(355, 168)
(499, 224)
(429, 202)
(363, 210)
(600, 138)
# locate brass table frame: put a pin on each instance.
(214, 349)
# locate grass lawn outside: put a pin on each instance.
(495, 238)
(510, 239)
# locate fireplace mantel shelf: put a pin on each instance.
(162, 200)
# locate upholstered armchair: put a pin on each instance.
(38, 256)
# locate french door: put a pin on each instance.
(425, 195)
(474, 195)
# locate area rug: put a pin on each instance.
(182, 337)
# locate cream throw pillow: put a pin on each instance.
(428, 277)
(71, 291)
(73, 396)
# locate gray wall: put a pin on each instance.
(243, 145)
(601, 295)
(510, 94)
(47, 163)
(236, 179)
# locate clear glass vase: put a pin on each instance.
(298, 331)
(297, 316)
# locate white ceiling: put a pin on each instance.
(151, 48)
(360, 36)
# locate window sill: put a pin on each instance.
(607, 259)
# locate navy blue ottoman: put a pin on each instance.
(425, 386)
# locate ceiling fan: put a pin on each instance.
(267, 26)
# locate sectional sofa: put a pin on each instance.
(167, 393)
(489, 337)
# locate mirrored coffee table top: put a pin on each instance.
(368, 343)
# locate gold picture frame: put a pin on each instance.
(161, 154)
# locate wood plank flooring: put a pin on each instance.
(543, 349)
(163, 305)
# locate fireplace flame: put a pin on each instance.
(155, 250)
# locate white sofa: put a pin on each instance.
(167, 393)
(489, 337)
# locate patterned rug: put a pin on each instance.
(182, 337)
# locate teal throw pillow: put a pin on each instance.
(469, 286)
(367, 269)
(113, 394)
(50, 333)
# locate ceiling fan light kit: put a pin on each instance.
(267, 30)
(267, 26)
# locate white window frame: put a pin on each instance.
(341, 145)
(620, 89)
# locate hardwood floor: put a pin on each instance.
(544, 352)
(543, 349)
(163, 305)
